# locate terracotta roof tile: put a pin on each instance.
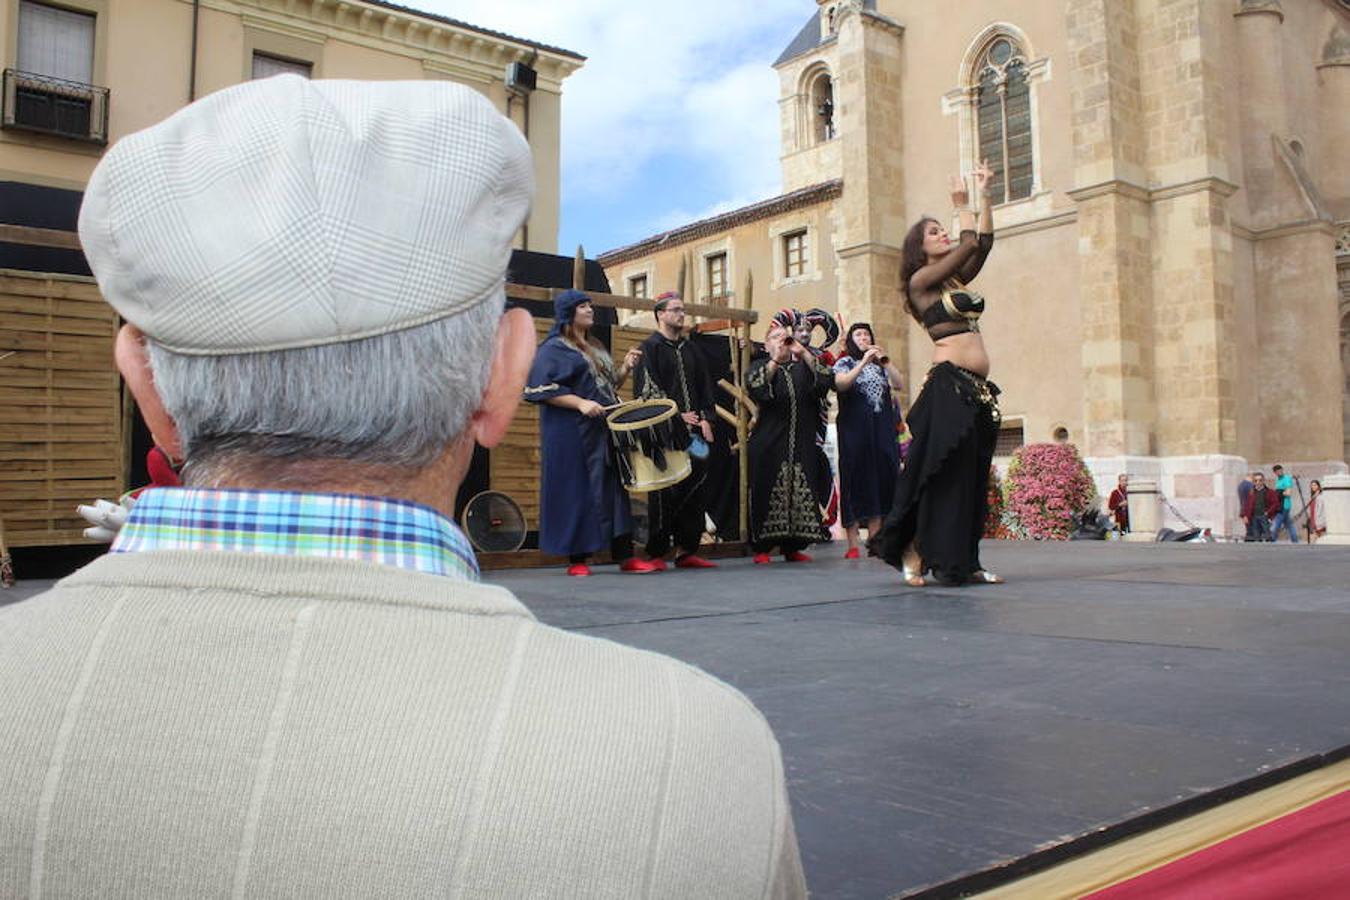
(764, 209)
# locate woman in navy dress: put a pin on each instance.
(583, 507)
(867, 425)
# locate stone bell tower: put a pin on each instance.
(840, 114)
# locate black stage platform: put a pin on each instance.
(930, 734)
(937, 733)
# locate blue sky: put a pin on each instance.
(674, 116)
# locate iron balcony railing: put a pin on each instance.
(47, 105)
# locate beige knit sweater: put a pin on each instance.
(193, 725)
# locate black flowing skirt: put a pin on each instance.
(941, 496)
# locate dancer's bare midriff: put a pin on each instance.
(965, 350)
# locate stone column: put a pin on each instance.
(1114, 234)
(1144, 515)
(1333, 99)
(1184, 91)
(1260, 46)
(870, 216)
(1297, 349)
(1336, 509)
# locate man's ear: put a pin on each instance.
(511, 360)
(134, 364)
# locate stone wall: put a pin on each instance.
(870, 214)
(752, 248)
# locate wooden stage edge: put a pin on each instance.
(534, 559)
(1152, 839)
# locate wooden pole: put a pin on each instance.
(734, 357)
(621, 301)
(680, 279)
(739, 395)
(579, 270)
(740, 351)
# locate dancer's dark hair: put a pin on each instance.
(912, 259)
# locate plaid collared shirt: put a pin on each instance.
(285, 523)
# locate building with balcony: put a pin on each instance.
(78, 75)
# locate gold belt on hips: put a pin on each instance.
(984, 391)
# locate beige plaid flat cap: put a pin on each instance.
(292, 213)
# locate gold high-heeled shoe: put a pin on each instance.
(911, 567)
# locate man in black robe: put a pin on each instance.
(789, 385)
(672, 368)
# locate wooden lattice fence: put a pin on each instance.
(62, 414)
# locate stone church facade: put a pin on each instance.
(1170, 287)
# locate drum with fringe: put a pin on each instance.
(651, 444)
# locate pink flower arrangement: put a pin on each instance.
(994, 524)
(1047, 486)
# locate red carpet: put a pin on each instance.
(1305, 854)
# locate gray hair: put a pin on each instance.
(397, 399)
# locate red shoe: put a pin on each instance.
(579, 570)
(852, 553)
(633, 564)
(693, 561)
(796, 556)
(762, 559)
(658, 564)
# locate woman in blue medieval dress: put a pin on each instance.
(583, 507)
(869, 456)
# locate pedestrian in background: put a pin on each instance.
(1119, 503)
(1284, 518)
(1317, 526)
(1261, 506)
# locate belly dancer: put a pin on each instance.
(937, 519)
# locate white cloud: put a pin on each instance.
(735, 121)
(674, 218)
(688, 80)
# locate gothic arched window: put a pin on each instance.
(1003, 118)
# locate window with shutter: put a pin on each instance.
(50, 90)
(716, 275)
(57, 43)
(794, 254)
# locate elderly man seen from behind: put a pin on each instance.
(286, 679)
